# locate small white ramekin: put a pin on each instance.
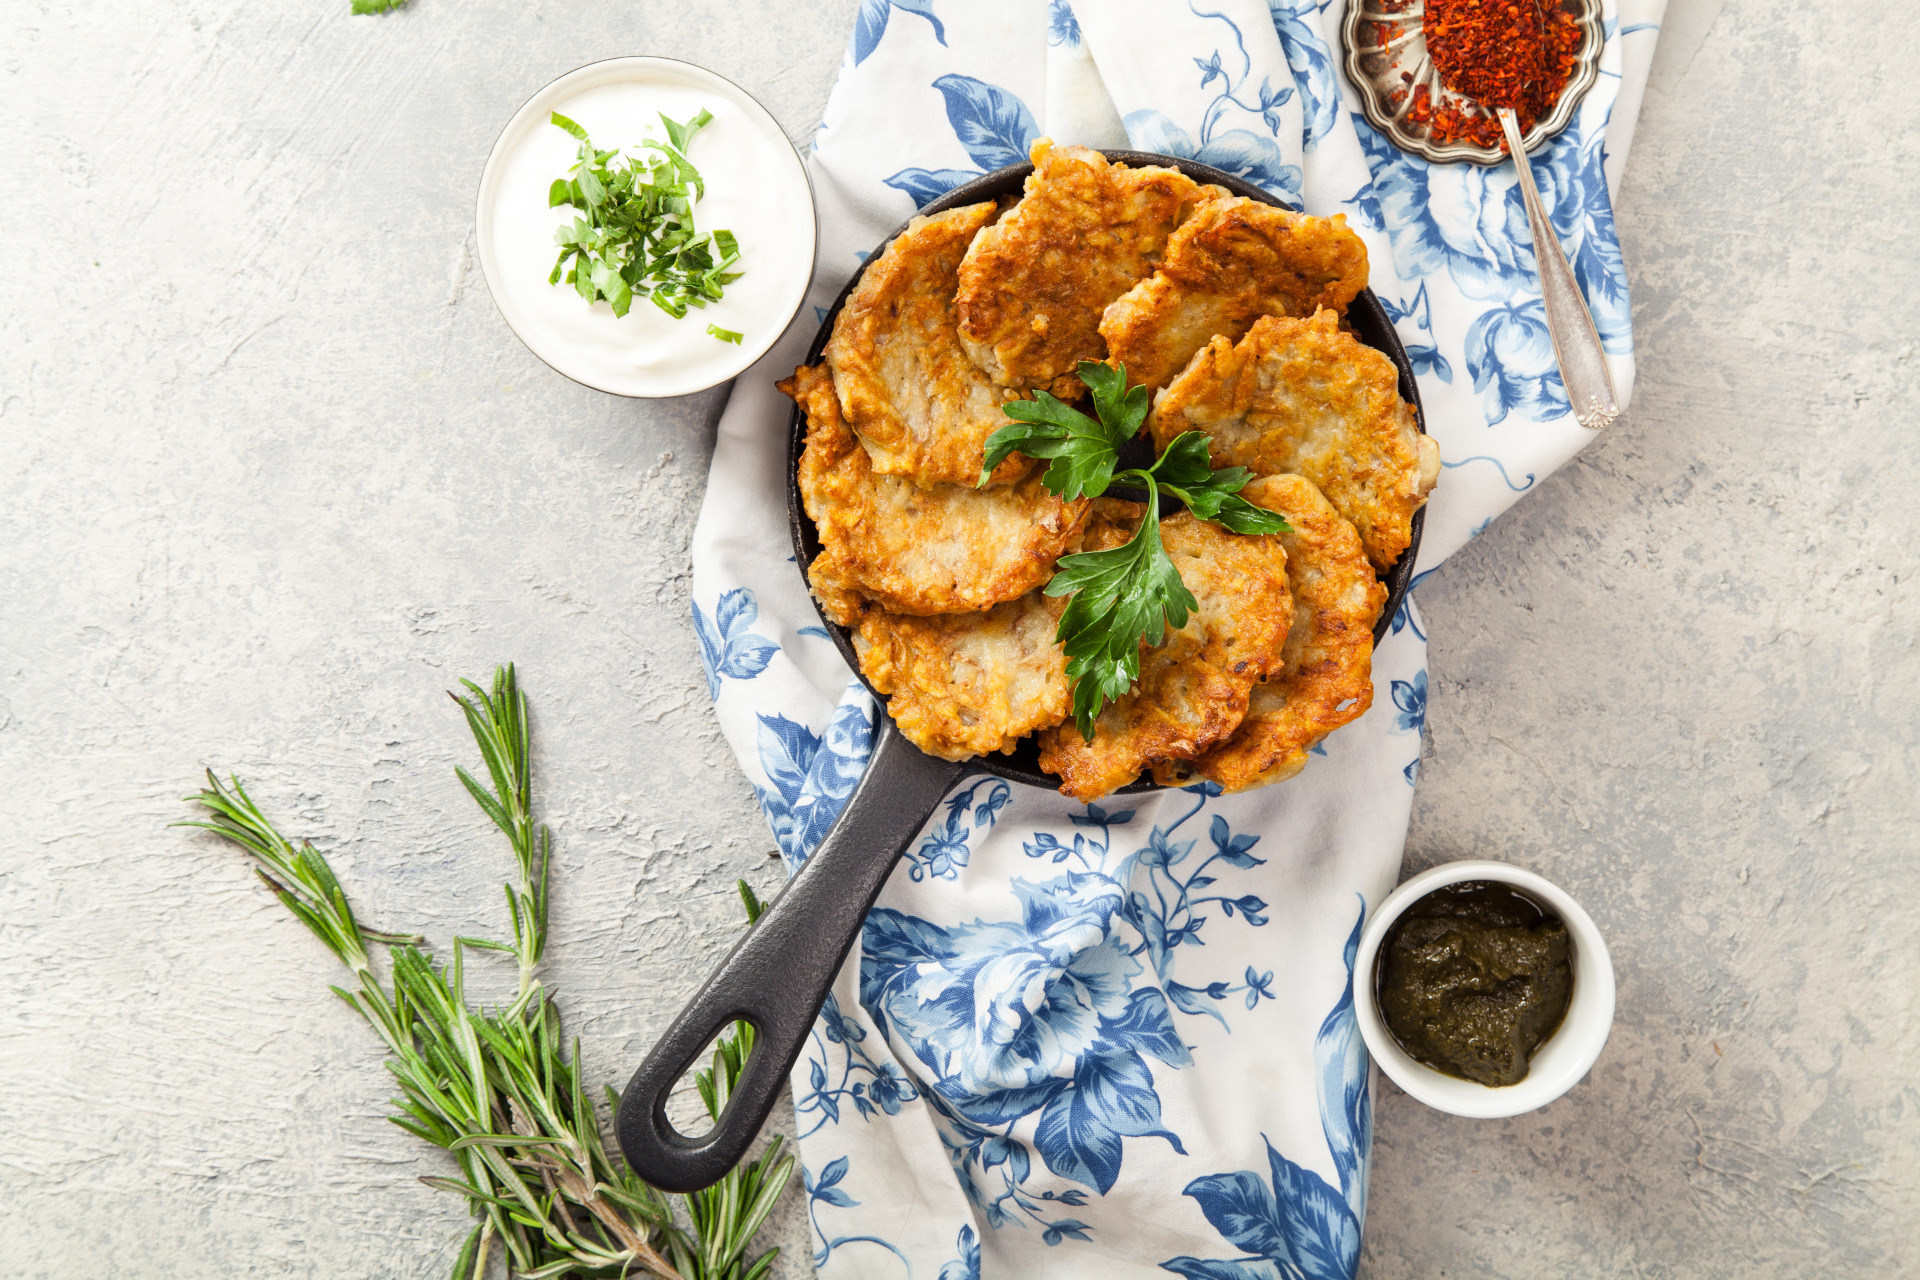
(534, 114)
(1557, 1065)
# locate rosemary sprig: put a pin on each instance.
(499, 1090)
(498, 721)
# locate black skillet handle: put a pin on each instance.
(778, 976)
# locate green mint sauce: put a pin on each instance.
(1473, 978)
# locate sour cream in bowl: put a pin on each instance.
(755, 188)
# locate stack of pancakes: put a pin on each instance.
(1230, 312)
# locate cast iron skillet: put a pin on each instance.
(778, 975)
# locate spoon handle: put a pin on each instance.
(1576, 343)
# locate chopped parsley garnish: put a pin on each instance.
(634, 235)
(1128, 594)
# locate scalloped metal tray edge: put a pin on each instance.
(1375, 77)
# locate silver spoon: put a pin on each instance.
(1576, 343)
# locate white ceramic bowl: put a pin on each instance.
(512, 223)
(1557, 1065)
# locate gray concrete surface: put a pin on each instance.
(274, 474)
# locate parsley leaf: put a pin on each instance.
(1127, 595)
(1184, 471)
(1124, 410)
(1084, 450)
(1121, 597)
(634, 235)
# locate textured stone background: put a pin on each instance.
(274, 474)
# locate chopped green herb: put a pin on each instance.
(725, 335)
(376, 6)
(634, 235)
(1131, 593)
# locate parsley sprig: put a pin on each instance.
(1129, 594)
(637, 238)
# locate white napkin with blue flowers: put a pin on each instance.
(1117, 1039)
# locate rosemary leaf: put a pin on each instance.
(500, 1091)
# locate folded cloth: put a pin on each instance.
(1117, 1039)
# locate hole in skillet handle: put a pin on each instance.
(1364, 314)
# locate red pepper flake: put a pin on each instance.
(1496, 54)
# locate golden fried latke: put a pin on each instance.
(1193, 688)
(907, 387)
(1232, 262)
(1301, 396)
(963, 684)
(917, 548)
(1326, 673)
(1033, 285)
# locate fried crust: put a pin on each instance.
(914, 548)
(964, 684)
(907, 387)
(1232, 262)
(1034, 284)
(1193, 688)
(1301, 396)
(1326, 673)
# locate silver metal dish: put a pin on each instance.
(1385, 97)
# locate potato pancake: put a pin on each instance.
(1302, 397)
(964, 684)
(1034, 284)
(1193, 687)
(907, 387)
(1326, 672)
(916, 548)
(1232, 262)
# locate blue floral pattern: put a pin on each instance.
(1311, 62)
(1504, 477)
(871, 23)
(826, 1190)
(1410, 715)
(1243, 152)
(1424, 356)
(1168, 910)
(1062, 27)
(967, 1265)
(1043, 1019)
(1410, 703)
(1293, 1224)
(1031, 1016)
(993, 126)
(811, 775)
(944, 851)
(727, 647)
(1510, 359)
(866, 1084)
